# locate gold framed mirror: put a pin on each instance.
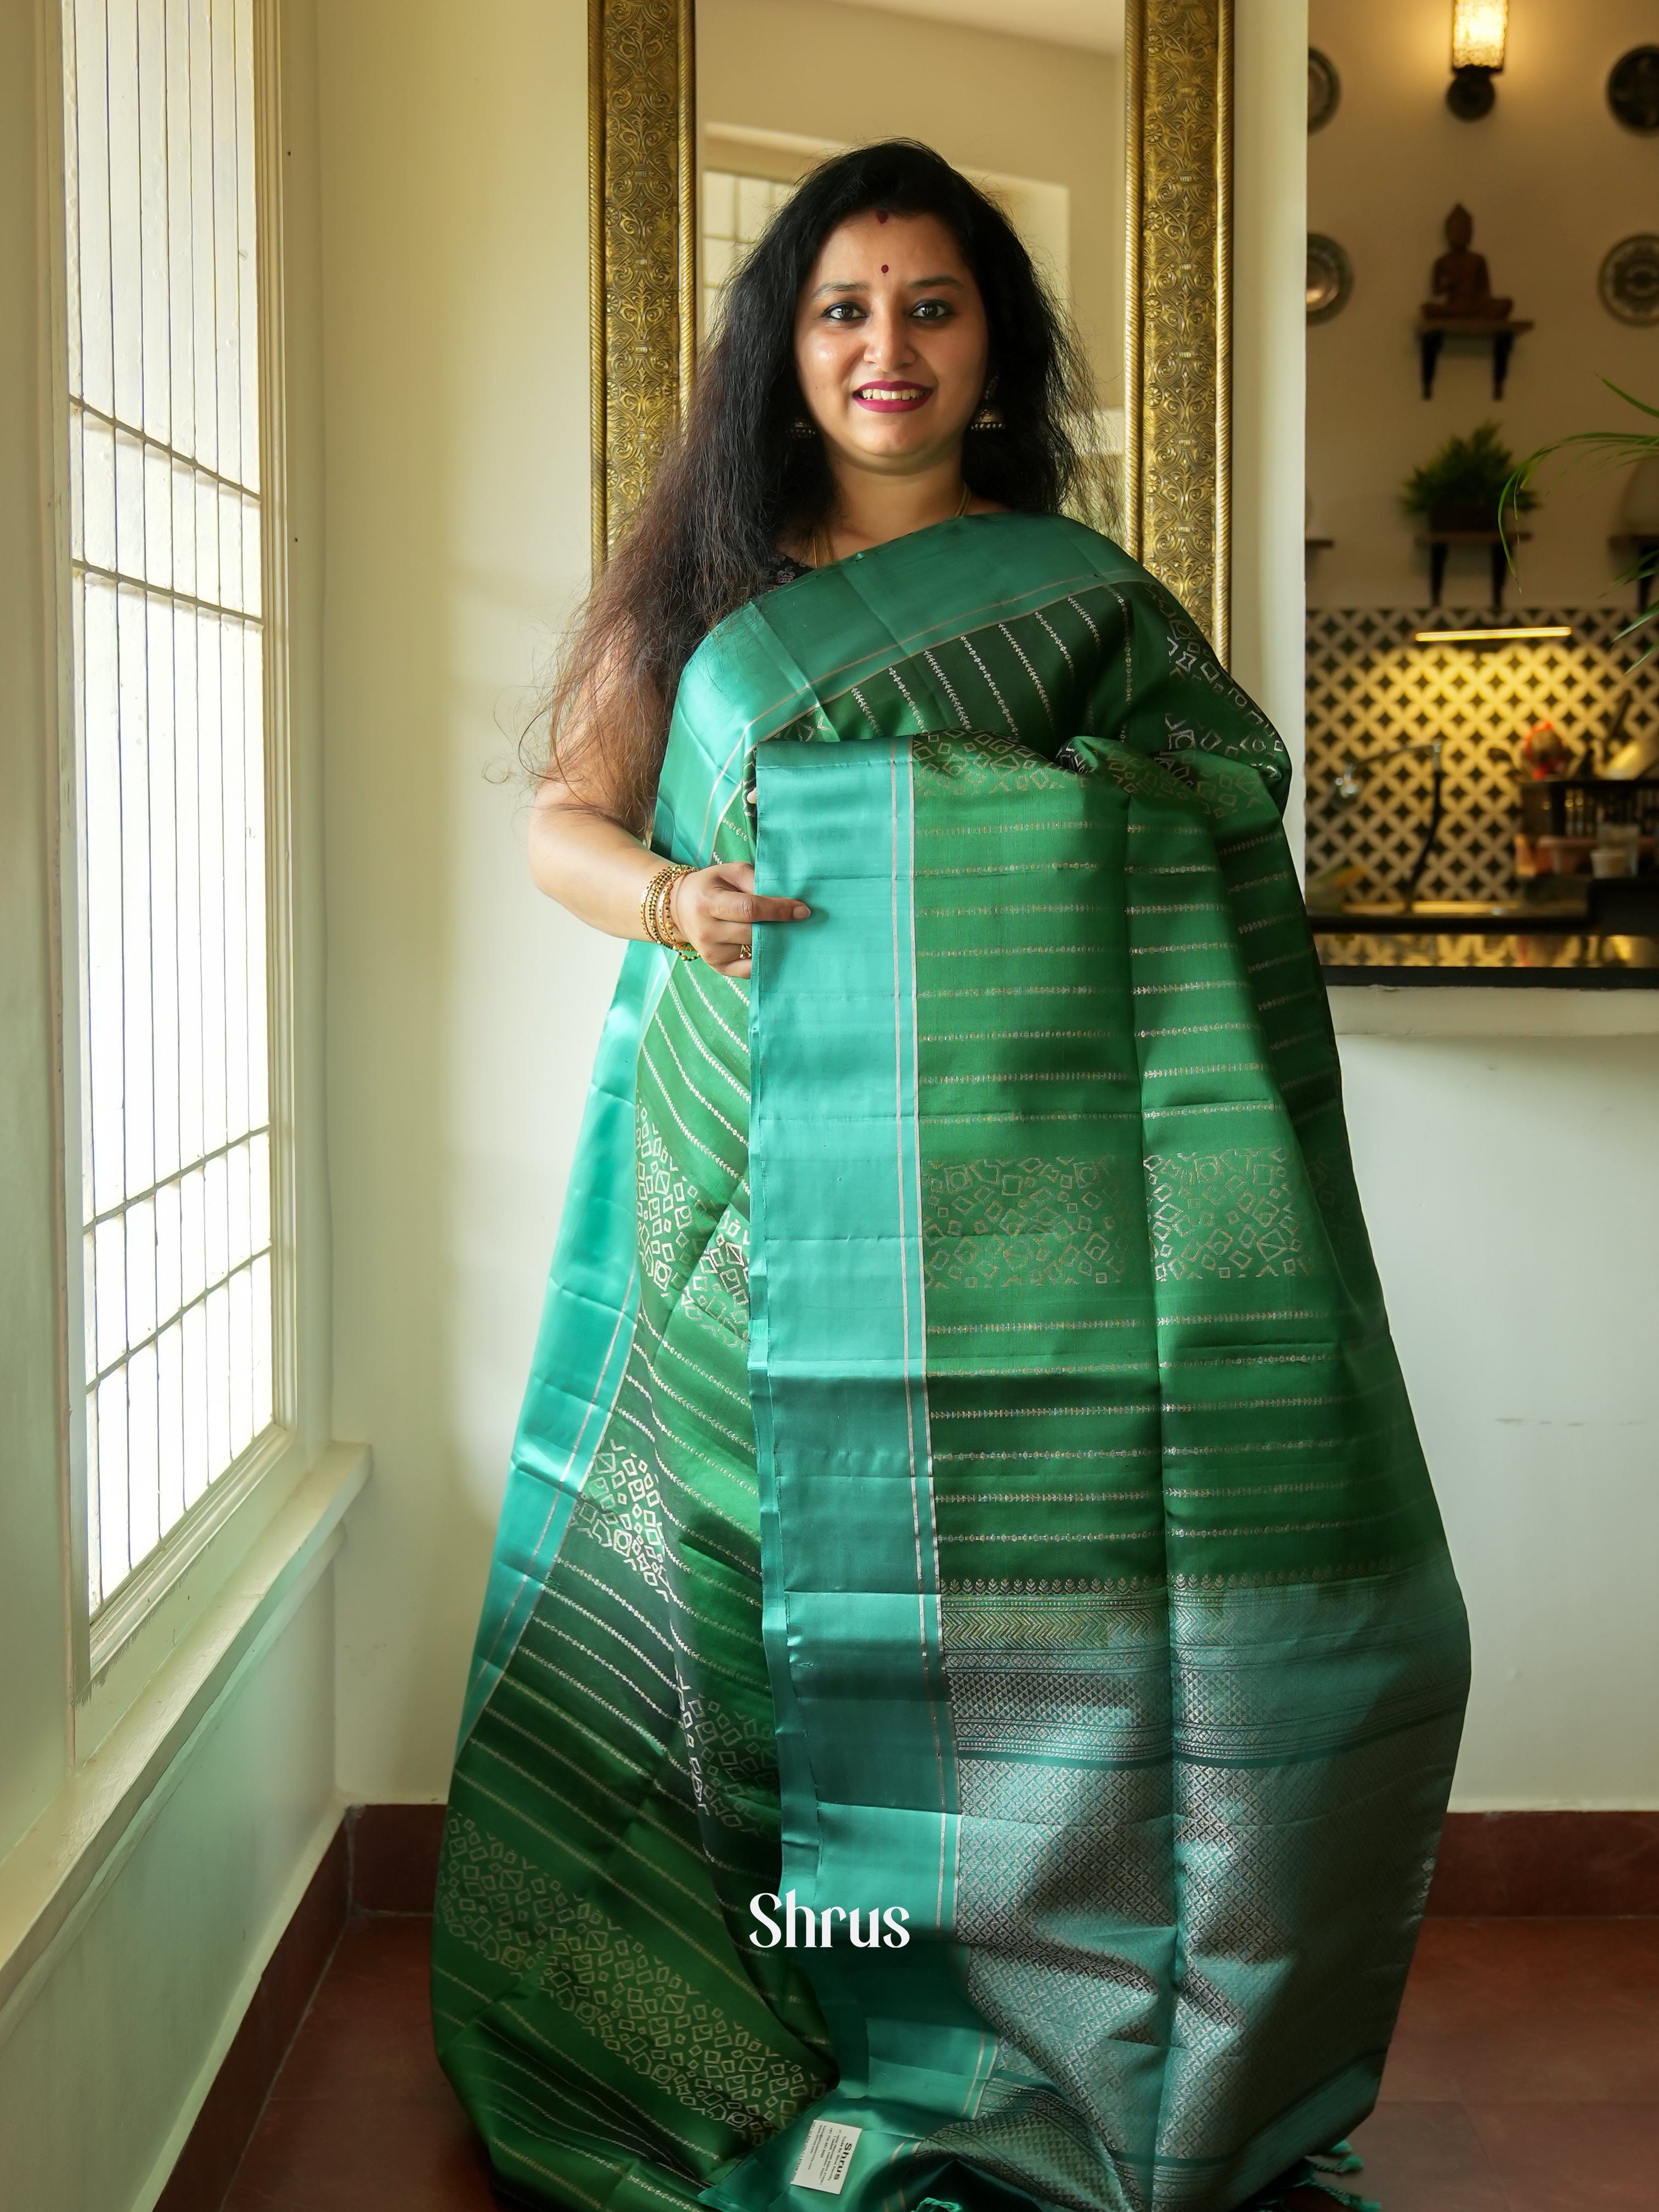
(1177, 72)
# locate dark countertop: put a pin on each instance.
(1352, 949)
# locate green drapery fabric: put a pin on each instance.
(965, 1469)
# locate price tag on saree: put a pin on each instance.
(828, 2153)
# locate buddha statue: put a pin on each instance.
(1463, 288)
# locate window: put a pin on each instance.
(735, 211)
(167, 679)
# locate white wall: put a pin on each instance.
(1511, 1185)
(463, 1008)
(1269, 353)
(1552, 181)
(104, 2064)
(34, 1708)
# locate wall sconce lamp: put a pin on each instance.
(1479, 30)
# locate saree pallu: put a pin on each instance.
(965, 1475)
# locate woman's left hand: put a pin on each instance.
(719, 910)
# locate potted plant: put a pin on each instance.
(1638, 449)
(1463, 485)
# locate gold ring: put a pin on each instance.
(745, 952)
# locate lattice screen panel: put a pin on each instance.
(1369, 687)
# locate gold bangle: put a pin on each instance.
(671, 930)
(673, 935)
(647, 920)
(657, 912)
(649, 904)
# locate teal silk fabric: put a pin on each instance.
(965, 1472)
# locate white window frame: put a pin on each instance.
(99, 1640)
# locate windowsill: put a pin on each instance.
(151, 1617)
(49, 1876)
(201, 1533)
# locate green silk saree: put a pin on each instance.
(965, 1475)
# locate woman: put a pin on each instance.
(971, 1672)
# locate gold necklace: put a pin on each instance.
(824, 549)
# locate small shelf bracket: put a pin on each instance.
(1431, 335)
(1440, 543)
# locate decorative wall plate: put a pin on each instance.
(1330, 278)
(1324, 88)
(1629, 279)
(1634, 89)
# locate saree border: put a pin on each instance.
(584, 1341)
(837, 1365)
(1178, 93)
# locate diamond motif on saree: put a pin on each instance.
(618, 1509)
(1228, 1215)
(674, 1226)
(981, 761)
(625, 1998)
(717, 1293)
(1004, 1224)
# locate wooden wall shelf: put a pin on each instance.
(1440, 543)
(1501, 337)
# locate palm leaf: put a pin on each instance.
(1608, 447)
(1631, 398)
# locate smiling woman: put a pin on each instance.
(965, 1465)
(790, 452)
(891, 354)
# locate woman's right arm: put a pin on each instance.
(600, 872)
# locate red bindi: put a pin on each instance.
(883, 268)
(881, 215)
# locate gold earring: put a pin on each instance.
(988, 418)
(800, 427)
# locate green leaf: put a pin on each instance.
(1630, 398)
(1630, 446)
(1476, 471)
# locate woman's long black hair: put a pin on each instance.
(705, 539)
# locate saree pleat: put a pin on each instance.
(965, 1471)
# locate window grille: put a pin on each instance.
(167, 645)
(735, 210)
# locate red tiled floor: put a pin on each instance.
(1426, 2158)
(361, 2118)
(1524, 2078)
(1590, 2158)
(368, 2033)
(1531, 2011)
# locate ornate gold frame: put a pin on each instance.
(643, 233)
(1178, 139)
(1178, 79)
